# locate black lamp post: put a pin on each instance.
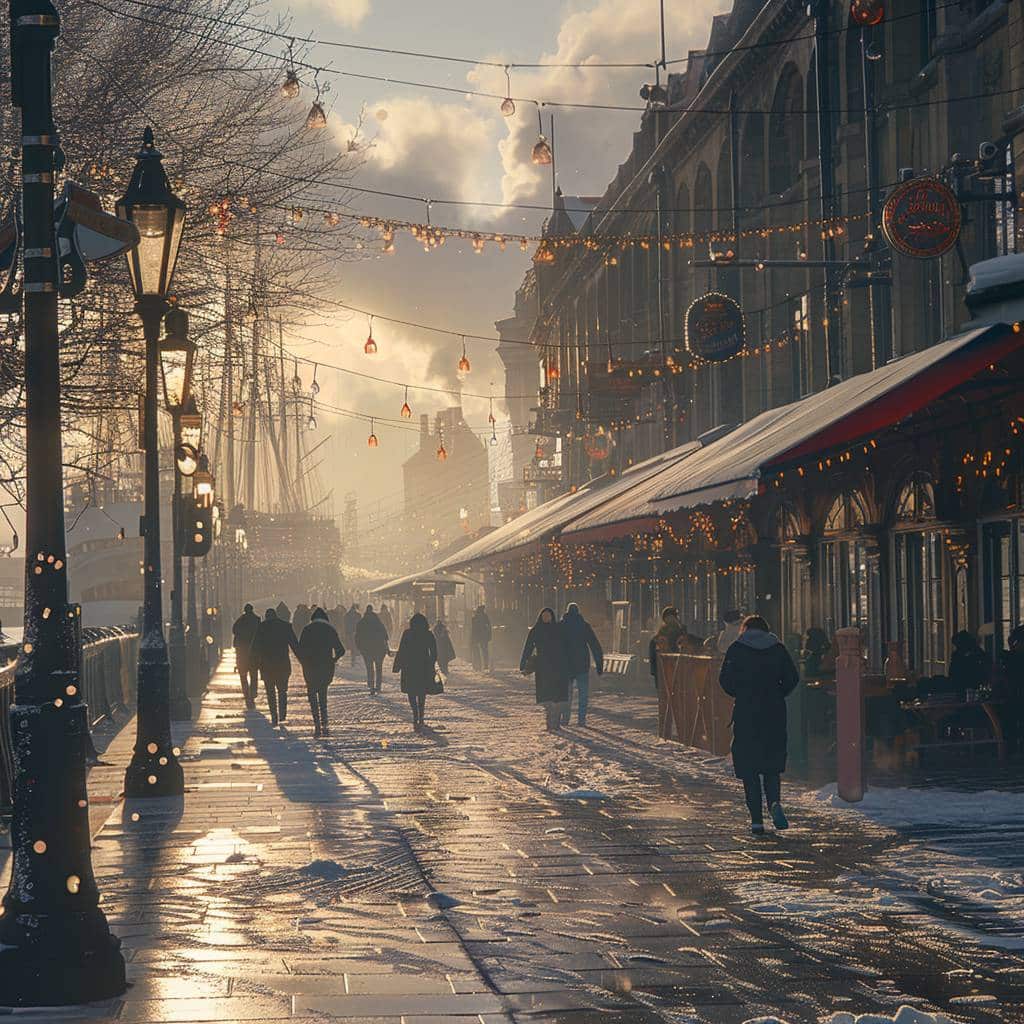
(177, 354)
(160, 217)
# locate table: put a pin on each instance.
(932, 712)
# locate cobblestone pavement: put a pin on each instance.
(465, 875)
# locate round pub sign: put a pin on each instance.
(714, 327)
(921, 219)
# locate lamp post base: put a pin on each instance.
(154, 769)
(58, 959)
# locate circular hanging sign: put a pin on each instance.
(714, 327)
(867, 12)
(921, 219)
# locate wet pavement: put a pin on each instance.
(488, 871)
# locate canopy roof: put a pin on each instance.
(546, 520)
(419, 580)
(732, 466)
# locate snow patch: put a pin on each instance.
(584, 794)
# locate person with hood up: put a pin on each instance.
(320, 647)
(372, 640)
(242, 633)
(731, 622)
(580, 645)
(283, 612)
(351, 620)
(666, 639)
(386, 618)
(480, 639)
(544, 656)
(301, 618)
(969, 666)
(759, 674)
(417, 661)
(445, 647)
(270, 646)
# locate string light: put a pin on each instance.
(541, 152)
(315, 386)
(406, 411)
(370, 348)
(867, 13)
(508, 106)
(464, 366)
(442, 452)
(290, 86)
(311, 422)
(371, 441)
(316, 118)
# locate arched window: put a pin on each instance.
(786, 132)
(848, 574)
(921, 573)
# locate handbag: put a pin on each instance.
(437, 686)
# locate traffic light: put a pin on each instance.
(196, 527)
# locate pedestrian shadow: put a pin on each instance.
(304, 775)
(434, 736)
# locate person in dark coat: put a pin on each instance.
(270, 646)
(969, 666)
(1012, 690)
(242, 633)
(386, 618)
(351, 620)
(372, 640)
(417, 660)
(580, 646)
(545, 656)
(759, 674)
(665, 640)
(301, 618)
(480, 639)
(445, 647)
(319, 649)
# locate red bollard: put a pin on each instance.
(851, 777)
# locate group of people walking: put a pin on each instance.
(559, 654)
(263, 648)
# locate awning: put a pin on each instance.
(417, 582)
(546, 520)
(732, 466)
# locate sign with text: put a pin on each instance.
(921, 219)
(714, 327)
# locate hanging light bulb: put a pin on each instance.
(316, 118)
(553, 372)
(464, 366)
(494, 437)
(290, 86)
(315, 386)
(442, 452)
(406, 410)
(311, 422)
(538, 452)
(370, 348)
(371, 441)
(541, 152)
(508, 107)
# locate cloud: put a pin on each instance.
(349, 13)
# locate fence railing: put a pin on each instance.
(107, 679)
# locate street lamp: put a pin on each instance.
(55, 944)
(177, 356)
(159, 216)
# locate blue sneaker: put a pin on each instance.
(779, 819)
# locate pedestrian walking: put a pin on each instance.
(273, 640)
(445, 647)
(320, 647)
(301, 618)
(283, 612)
(372, 640)
(544, 657)
(351, 620)
(666, 639)
(581, 645)
(386, 618)
(759, 674)
(417, 661)
(242, 634)
(480, 639)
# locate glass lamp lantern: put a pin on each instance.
(159, 215)
(177, 355)
(202, 483)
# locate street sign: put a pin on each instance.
(921, 219)
(715, 329)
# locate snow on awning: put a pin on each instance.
(546, 520)
(732, 466)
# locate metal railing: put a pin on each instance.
(107, 679)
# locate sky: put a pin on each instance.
(447, 145)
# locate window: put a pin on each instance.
(920, 561)
(800, 340)
(1003, 598)
(1005, 213)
